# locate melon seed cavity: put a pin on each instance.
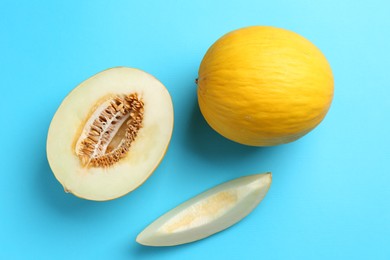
(110, 131)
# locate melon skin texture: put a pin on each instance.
(207, 213)
(70, 123)
(264, 86)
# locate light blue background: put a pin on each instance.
(330, 197)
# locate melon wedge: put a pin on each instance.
(207, 213)
(110, 133)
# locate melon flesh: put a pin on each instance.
(71, 124)
(207, 213)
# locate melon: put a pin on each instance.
(110, 133)
(207, 213)
(264, 86)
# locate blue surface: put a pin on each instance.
(330, 193)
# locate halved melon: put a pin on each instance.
(110, 133)
(208, 213)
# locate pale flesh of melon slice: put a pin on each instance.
(207, 213)
(110, 133)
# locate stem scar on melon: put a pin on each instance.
(110, 133)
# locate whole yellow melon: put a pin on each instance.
(264, 86)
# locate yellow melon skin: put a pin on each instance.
(264, 86)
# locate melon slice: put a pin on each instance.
(110, 133)
(207, 213)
